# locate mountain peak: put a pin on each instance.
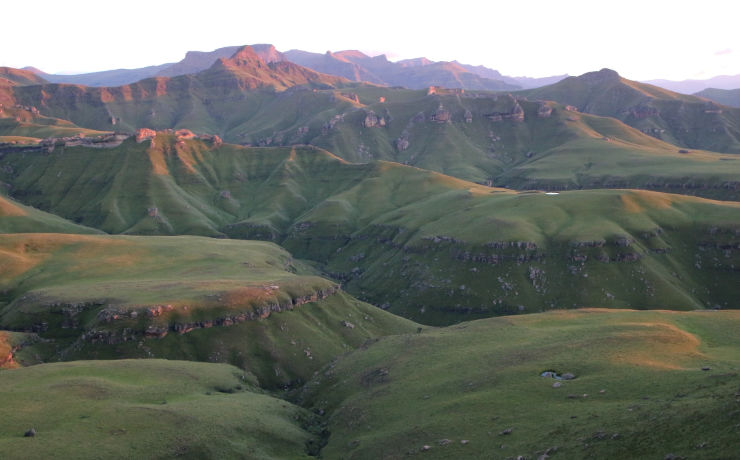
(416, 62)
(268, 52)
(246, 55)
(602, 76)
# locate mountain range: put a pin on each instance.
(353, 65)
(241, 256)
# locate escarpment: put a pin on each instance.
(115, 324)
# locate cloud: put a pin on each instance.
(723, 52)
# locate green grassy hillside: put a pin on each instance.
(146, 409)
(20, 122)
(475, 390)
(563, 150)
(424, 245)
(245, 303)
(688, 121)
(18, 218)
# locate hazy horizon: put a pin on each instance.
(640, 40)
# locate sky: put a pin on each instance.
(641, 40)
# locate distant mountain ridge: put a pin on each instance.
(193, 62)
(351, 64)
(694, 86)
(410, 73)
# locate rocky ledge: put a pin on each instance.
(162, 328)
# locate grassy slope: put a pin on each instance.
(677, 118)
(20, 123)
(145, 409)
(75, 285)
(648, 250)
(475, 380)
(565, 150)
(19, 218)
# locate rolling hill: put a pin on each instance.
(245, 303)
(683, 120)
(147, 409)
(640, 385)
(424, 245)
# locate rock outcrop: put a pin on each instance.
(544, 110)
(161, 327)
(372, 120)
(441, 115)
(145, 134)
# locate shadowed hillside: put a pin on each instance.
(424, 245)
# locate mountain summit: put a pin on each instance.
(247, 69)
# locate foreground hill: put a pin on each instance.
(424, 245)
(245, 303)
(146, 409)
(647, 385)
(687, 121)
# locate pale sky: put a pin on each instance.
(639, 39)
